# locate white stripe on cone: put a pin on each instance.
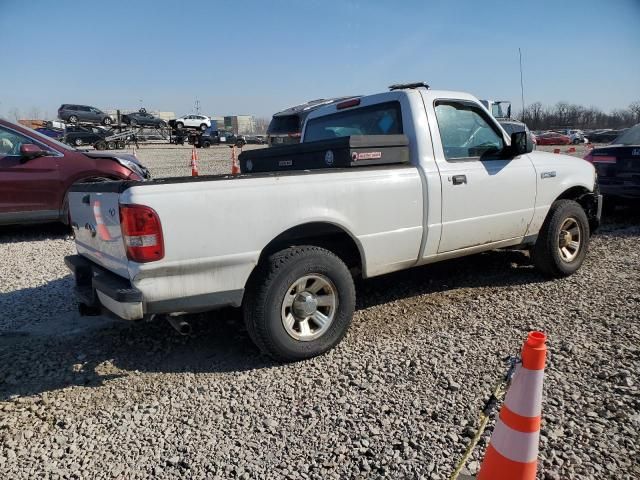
(524, 396)
(514, 445)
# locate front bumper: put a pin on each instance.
(97, 288)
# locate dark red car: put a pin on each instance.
(36, 172)
(552, 138)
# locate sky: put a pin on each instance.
(259, 57)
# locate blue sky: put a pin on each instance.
(259, 57)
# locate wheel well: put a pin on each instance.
(320, 234)
(574, 193)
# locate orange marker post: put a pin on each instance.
(512, 453)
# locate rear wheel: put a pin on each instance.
(73, 119)
(120, 145)
(563, 240)
(299, 303)
(111, 145)
(101, 146)
(106, 121)
(203, 127)
(206, 144)
(77, 142)
(179, 125)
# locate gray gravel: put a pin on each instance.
(95, 398)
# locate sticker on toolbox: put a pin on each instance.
(355, 156)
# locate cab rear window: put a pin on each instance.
(378, 119)
(284, 124)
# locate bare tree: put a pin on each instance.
(14, 114)
(34, 113)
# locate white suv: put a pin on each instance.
(193, 121)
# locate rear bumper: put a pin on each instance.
(96, 288)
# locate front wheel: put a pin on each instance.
(299, 303)
(203, 127)
(77, 142)
(563, 240)
(106, 121)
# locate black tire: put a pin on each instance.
(546, 252)
(132, 122)
(240, 143)
(576, 141)
(111, 145)
(77, 142)
(206, 144)
(120, 145)
(101, 146)
(266, 292)
(203, 126)
(73, 119)
(106, 121)
(179, 125)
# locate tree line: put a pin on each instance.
(567, 115)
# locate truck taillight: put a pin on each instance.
(142, 233)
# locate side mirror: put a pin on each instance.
(521, 143)
(29, 151)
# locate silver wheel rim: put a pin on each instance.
(569, 240)
(309, 307)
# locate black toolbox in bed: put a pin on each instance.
(343, 152)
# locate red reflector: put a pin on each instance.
(142, 233)
(603, 159)
(348, 103)
(295, 135)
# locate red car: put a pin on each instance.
(552, 138)
(36, 172)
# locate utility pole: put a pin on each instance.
(197, 107)
(521, 83)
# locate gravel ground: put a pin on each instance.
(95, 398)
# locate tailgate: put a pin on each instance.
(95, 218)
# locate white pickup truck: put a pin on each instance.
(285, 246)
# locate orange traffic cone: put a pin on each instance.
(194, 162)
(235, 168)
(513, 450)
(101, 228)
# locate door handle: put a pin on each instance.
(459, 179)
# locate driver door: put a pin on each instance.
(486, 198)
(29, 190)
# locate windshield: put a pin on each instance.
(630, 137)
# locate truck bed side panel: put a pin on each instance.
(215, 231)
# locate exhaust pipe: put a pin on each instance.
(181, 326)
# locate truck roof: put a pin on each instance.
(393, 95)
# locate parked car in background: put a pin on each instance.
(216, 137)
(57, 133)
(143, 119)
(37, 171)
(605, 136)
(576, 136)
(73, 113)
(286, 126)
(618, 167)
(78, 135)
(191, 121)
(254, 139)
(552, 138)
